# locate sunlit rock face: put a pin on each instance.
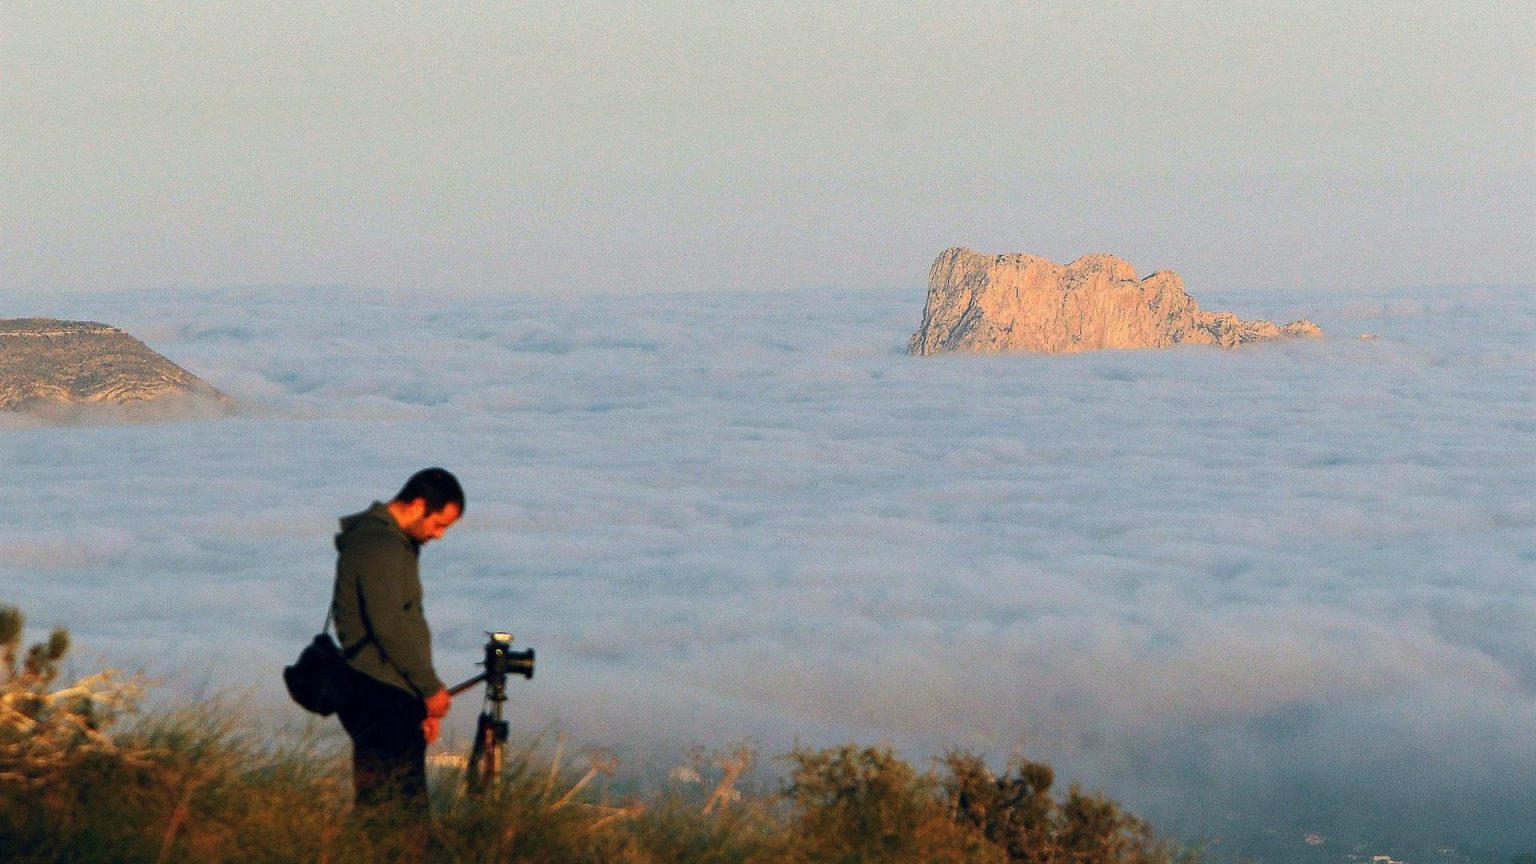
(46, 364)
(1016, 302)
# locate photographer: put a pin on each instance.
(395, 699)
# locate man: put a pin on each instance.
(395, 700)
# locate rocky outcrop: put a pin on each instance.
(984, 303)
(46, 364)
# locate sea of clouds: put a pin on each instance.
(1290, 587)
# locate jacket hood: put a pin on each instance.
(376, 518)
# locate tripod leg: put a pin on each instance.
(498, 742)
(484, 758)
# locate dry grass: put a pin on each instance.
(83, 778)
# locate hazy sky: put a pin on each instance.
(619, 147)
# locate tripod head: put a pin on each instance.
(500, 661)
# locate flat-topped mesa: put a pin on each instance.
(47, 363)
(1016, 302)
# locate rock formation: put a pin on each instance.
(1017, 302)
(46, 364)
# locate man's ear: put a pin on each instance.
(417, 509)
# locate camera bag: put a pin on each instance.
(317, 681)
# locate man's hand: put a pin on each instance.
(437, 708)
(438, 704)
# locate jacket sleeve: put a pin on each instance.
(391, 595)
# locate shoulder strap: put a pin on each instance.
(351, 651)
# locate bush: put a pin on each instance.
(856, 804)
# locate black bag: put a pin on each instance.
(318, 679)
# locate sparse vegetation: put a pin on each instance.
(82, 781)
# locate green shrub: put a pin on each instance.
(855, 804)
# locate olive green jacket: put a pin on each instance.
(377, 601)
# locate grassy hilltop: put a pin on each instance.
(85, 777)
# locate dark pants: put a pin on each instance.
(389, 751)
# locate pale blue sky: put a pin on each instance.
(625, 147)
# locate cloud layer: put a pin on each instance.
(1289, 586)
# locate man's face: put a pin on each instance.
(424, 527)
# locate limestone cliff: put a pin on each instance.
(984, 303)
(46, 363)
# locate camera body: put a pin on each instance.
(501, 660)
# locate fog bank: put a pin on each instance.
(1284, 587)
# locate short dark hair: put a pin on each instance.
(436, 486)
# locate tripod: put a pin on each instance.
(488, 751)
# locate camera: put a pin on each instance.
(501, 660)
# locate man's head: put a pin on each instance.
(427, 504)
